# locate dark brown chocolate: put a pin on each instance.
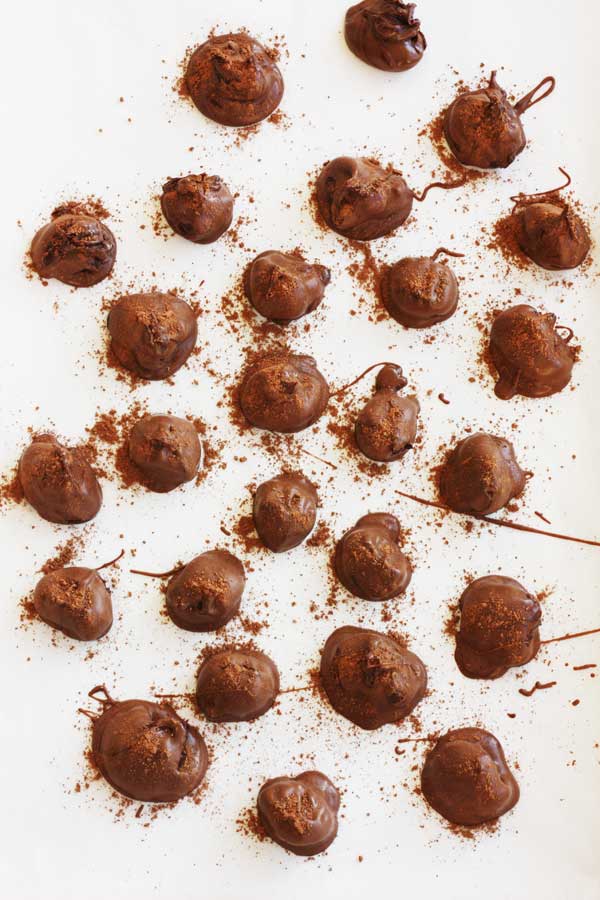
(480, 475)
(234, 80)
(207, 592)
(166, 450)
(370, 678)
(153, 334)
(499, 627)
(385, 34)
(283, 392)
(551, 234)
(74, 248)
(531, 356)
(59, 482)
(466, 779)
(386, 426)
(197, 207)
(419, 291)
(283, 287)
(236, 685)
(300, 814)
(76, 601)
(368, 560)
(285, 511)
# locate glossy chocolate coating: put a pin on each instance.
(499, 627)
(360, 199)
(166, 450)
(368, 560)
(283, 392)
(386, 426)
(152, 335)
(285, 510)
(370, 678)
(198, 207)
(233, 80)
(147, 752)
(59, 482)
(466, 779)
(552, 235)
(481, 475)
(530, 355)
(419, 292)
(283, 286)
(385, 34)
(76, 249)
(207, 592)
(236, 685)
(76, 601)
(300, 813)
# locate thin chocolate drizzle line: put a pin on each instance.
(586, 666)
(90, 714)
(112, 561)
(502, 523)
(542, 517)
(527, 101)
(158, 574)
(319, 458)
(443, 185)
(568, 637)
(420, 740)
(100, 689)
(565, 328)
(361, 376)
(538, 686)
(447, 252)
(444, 399)
(517, 199)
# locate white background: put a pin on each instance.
(66, 134)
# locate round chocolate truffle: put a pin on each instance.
(360, 199)
(484, 130)
(283, 287)
(283, 392)
(368, 560)
(419, 291)
(147, 752)
(152, 335)
(499, 627)
(551, 234)
(300, 814)
(233, 80)
(531, 357)
(481, 475)
(166, 450)
(76, 601)
(285, 511)
(385, 34)
(370, 678)
(236, 685)
(466, 779)
(206, 593)
(74, 248)
(386, 426)
(198, 207)
(59, 482)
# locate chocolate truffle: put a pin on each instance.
(206, 593)
(283, 392)
(386, 426)
(419, 291)
(466, 779)
(484, 130)
(285, 511)
(198, 207)
(481, 475)
(368, 560)
(283, 287)
(76, 249)
(531, 357)
(59, 482)
(152, 335)
(76, 601)
(370, 678)
(385, 34)
(147, 752)
(551, 234)
(499, 627)
(360, 199)
(234, 80)
(166, 450)
(237, 685)
(300, 814)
